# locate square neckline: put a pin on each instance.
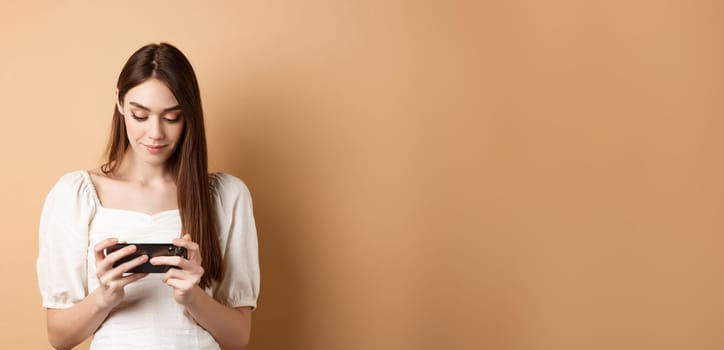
(97, 200)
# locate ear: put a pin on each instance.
(118, 103)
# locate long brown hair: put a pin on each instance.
(188, 163)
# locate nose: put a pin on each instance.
(155, 131)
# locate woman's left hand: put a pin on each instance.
(187, 276)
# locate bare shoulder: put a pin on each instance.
(100, 179)
(97, 174)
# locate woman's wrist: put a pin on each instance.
(194, 297)
(100, 305)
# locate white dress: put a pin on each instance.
(73, 221)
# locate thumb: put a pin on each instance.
(187, 237)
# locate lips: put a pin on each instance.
(153, 149)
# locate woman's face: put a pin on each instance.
(153, 119)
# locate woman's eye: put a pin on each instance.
(172, 120)
(140, 119)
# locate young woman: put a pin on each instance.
(153, 188)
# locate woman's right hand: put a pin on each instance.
(111, 279)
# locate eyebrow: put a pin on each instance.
(138, 105)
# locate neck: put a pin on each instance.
(135, 170)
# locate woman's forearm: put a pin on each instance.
(230, 327)
(69, 327)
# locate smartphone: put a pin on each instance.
(152, 250)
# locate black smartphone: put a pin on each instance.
(152, 250)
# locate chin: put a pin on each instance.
(156, 161)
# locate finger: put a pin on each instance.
(117, 255)
(130, 265)
(186, 243)
(192, 268)
(177, 283)
(101, 246)
(191, 246)
(180, 274)
(117, 272)
(171, 273)
(190, 277)
(171, 261)
(123, 281)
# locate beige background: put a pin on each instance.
(426, 175)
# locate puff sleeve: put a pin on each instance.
(239, 285)
(63, 242)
